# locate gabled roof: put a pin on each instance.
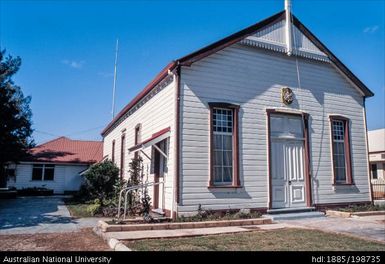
(230, 40)
(65, 150)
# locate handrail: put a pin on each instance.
(132, 188)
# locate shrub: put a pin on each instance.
(136, 176)
(101, 182)
(94, 208)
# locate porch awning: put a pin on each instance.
(155, 138)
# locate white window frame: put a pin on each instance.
(43, 167)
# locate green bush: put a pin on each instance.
(94, 208)
(101, 182)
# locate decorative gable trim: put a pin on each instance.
(273, 38)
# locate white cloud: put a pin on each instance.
(74, 64)
(371, 29)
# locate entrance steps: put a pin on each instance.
(293, 213)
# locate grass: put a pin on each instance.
(79, 209)
(362, 208)
(277, 240)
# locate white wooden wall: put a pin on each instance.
(253, 78)
(156, 114)
(66, 178)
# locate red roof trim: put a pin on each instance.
(154, 136)
(365, 90)
(225, 42)
(141, 95)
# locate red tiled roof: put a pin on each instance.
(65, 150)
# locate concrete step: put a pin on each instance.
(158, 211)
(290, 210)
(295, 216)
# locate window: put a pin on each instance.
(137, 133)
(113, 151)
(10, 173)
(122, 155)
(137, 138)
(373, 168)
(224, 145)
(43, 172)
(341, 150)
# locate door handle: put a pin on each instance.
(289, 182)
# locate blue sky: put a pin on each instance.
(67, 49)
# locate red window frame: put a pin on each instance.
(235, 180)
(347, 149)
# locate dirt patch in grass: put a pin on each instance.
(83, 240)
(277, 240)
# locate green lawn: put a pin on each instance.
(78, 210)
(277, 240)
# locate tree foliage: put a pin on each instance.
(15, 116)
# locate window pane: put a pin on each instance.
(340, 175)
(338, 130)
(227, 142)
(49, 173)
(217, 174)
(218, 158)
(218, 142)
(37, 173)
(227, 174)
(223, 120)
(227, 158)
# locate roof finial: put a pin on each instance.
(289, 47)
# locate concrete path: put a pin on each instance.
(31, 215)
(173, 233)
(366, 227)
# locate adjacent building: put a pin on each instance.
(55, 165)
(377, 154)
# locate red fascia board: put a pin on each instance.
(227, 41)
(154, 136)
(366, 91)
(234, 38)
(141, 95)
(192, 57)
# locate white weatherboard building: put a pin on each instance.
(56, 165)
(377, 154)
(267, 118)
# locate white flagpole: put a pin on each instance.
(114, 87)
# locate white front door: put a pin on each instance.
(287, 162)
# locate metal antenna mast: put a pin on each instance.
(114, 87)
